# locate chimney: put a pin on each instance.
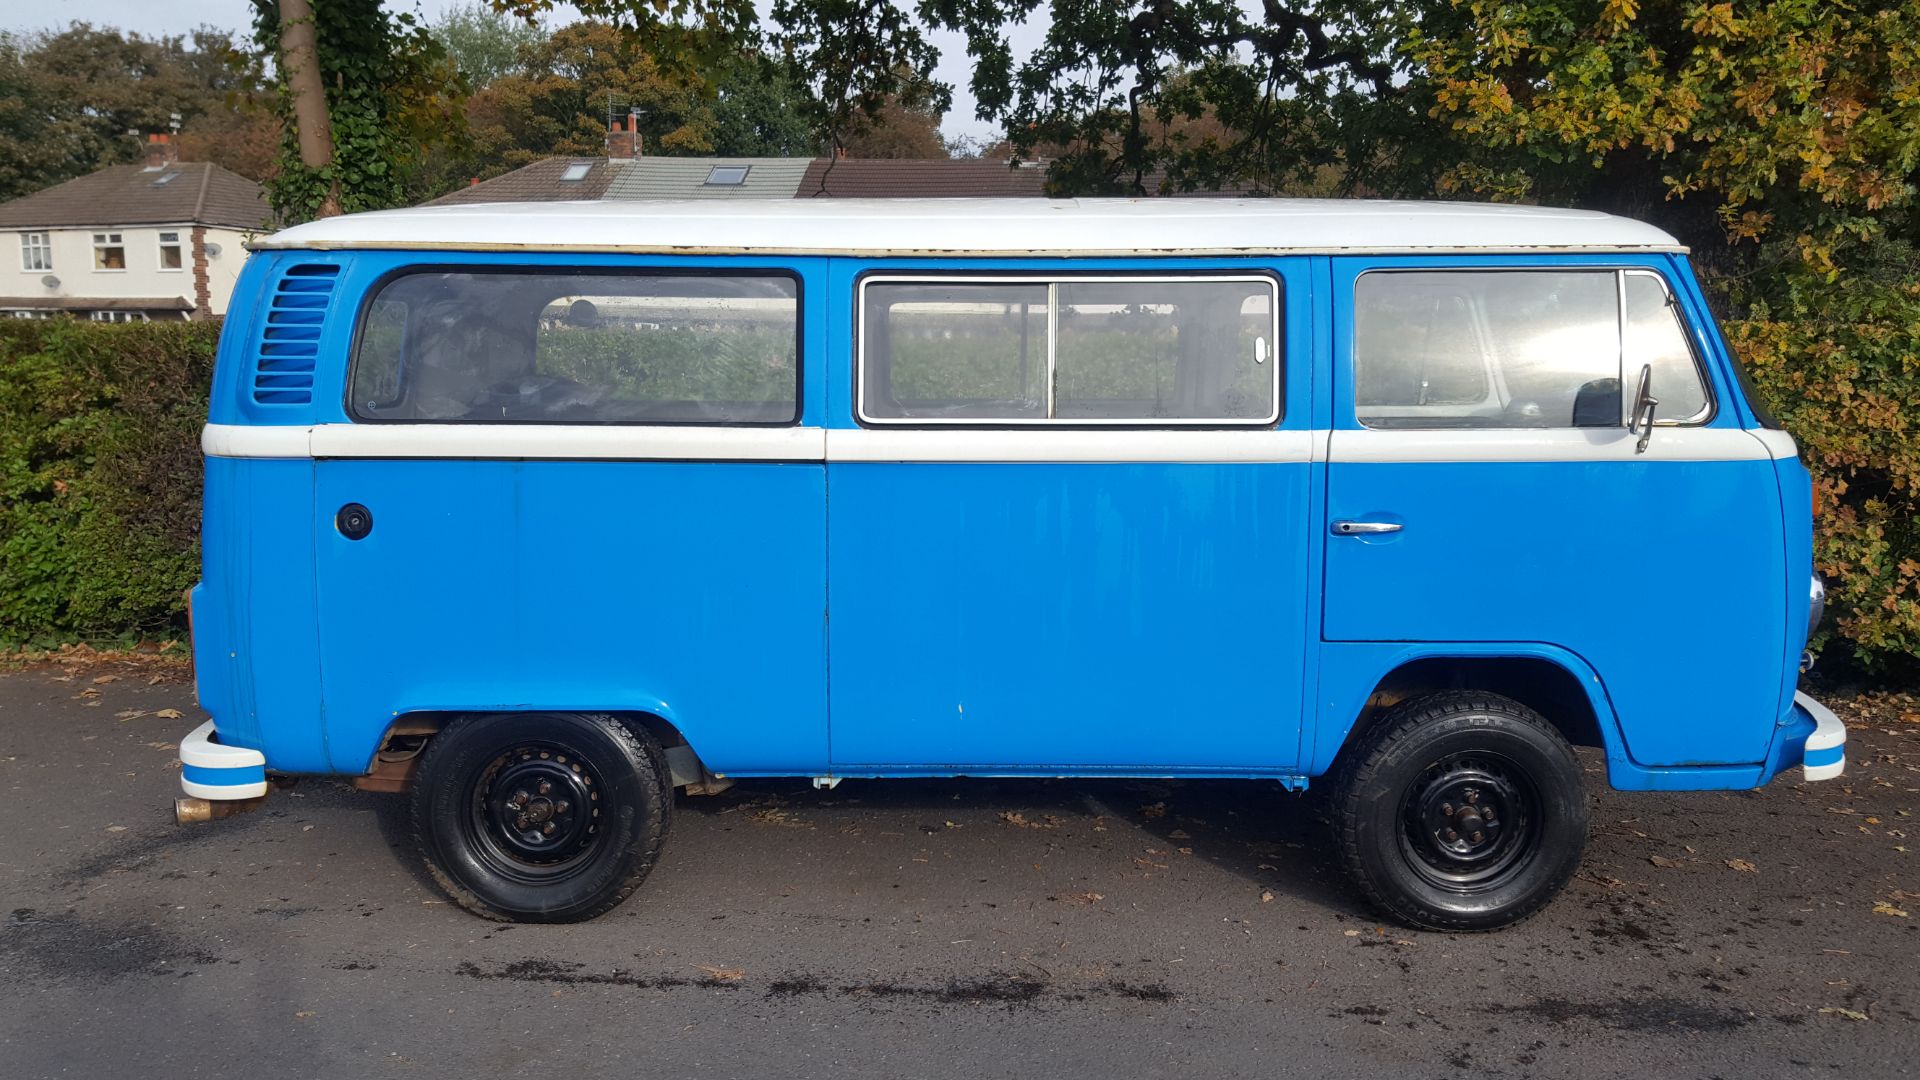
(161, 152)
(623, 138)
(840, 153)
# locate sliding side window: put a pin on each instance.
(580, 347)
(1149, 351)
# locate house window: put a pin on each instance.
(727, 175)
(169, 251)
(119, 316)
(36, 252)
(109, 252)
(30, 314)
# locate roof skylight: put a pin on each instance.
(727, 175)
(576, 172)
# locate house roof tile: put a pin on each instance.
(543, 181)
(199, 193)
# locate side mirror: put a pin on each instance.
(1644, 403)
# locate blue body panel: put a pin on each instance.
(1073, 618)
(1145, 618)
(257, 650)
(1593, 557)
(693, 591)
(1662, 576)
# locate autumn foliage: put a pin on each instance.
(1781, 140)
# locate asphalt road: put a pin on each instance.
(918, 929)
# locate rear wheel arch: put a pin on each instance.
(401, 745)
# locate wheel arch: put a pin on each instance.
(1550, 680)
(397, 753)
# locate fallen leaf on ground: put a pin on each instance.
(1350, 933)
(1083, 898)
(1016, 818)
(1664, 862)
(130, 714)
(106, 678)
(1848, 1013)
(1743, 866)
(1884, 908)
(123, 828)
(168, 714)
(1179, 834)
(724, 974)
(1266, 896)
(1156, 810)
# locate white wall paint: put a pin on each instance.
(73, 265)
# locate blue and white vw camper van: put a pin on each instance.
(540, 512)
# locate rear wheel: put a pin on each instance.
(1461, 811)
(540, 817)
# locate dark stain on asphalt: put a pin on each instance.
(1646, 1015)
(572, 974)
(65, 946)
(1008, 990)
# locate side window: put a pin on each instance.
(1424, 348)
(1071, 351)
(956, 351)
(383, 337)
(1516, 349)
(579, 347)
(1656, 337)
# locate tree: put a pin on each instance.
(485, 44)
(559, 102)
(1103, 88)
(69, 99)
(1782, 141)
(904, 124)
(365, 96)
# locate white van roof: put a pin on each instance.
(1005, 227)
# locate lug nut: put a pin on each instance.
(1446, 808)
(545, 787)
(521, 822)
(1477, 837)
(548, 830)
(1452, 836)
(562, 806)
(519, 798)
(1472, 796)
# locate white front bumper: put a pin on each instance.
(1825, 755)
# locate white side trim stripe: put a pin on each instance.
(808, 444)
(1549, 444)
(1067, 444)
(587, 442)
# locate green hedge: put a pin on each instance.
(100, 466)
(99, 477)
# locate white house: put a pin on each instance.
(161, 240)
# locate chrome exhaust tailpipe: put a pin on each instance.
(190, 811)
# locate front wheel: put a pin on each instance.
(1461, 811)
(540, 817)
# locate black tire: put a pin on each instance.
(540, 817)
(1460, 811)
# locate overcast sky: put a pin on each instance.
(155, 17)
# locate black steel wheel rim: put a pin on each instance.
(1470, 822)
(536, 812)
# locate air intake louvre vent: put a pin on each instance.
(283, 368)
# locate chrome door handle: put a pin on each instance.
(1364, 528)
